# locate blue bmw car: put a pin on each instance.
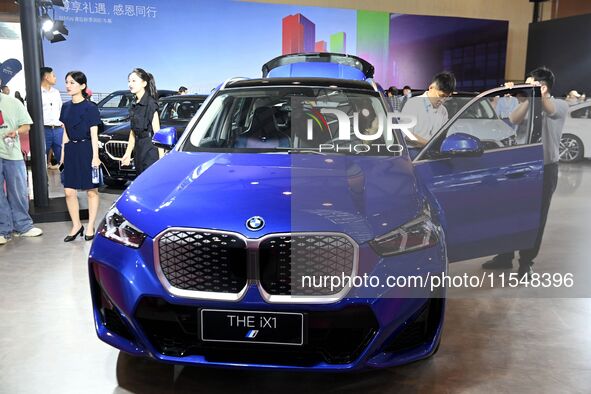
(291, 228)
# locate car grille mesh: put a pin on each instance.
(202, 261)
(116, 148)
(286, 260)
(216, 262)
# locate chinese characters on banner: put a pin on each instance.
(100, 12)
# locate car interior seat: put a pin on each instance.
(263, 132)
(185, 111)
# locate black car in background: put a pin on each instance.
(175, 111)
(114, 108)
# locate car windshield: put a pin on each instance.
(302, 119)
(119, 100)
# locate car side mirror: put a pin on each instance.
(461, 145)
(165, 138)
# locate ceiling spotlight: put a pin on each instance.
(53, 30)
(57, 33)
(51, 3)
(46, 23)
(59, 27)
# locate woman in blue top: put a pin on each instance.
(80, 153)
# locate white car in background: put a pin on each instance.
(575, 143)
(482, 121)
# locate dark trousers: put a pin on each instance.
(145, 154)
(527, 256)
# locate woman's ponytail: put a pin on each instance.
(152, 91)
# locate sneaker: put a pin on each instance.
(33, 232)
(497, 264)
(3, 239)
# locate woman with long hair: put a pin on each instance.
(80, 153)
(144, 121)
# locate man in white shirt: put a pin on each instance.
(52, 106)
(427, 108)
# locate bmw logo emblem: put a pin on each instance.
(255, 223)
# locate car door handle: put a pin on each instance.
(517, 173)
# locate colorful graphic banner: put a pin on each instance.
(199, 44)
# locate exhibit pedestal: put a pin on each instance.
(56, 211)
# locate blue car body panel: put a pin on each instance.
(492, 203)
(205, 185)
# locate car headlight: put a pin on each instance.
(116, 228)
(417, 234)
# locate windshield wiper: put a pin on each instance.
(300, 150)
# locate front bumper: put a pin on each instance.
(112, 168)
(133, 312)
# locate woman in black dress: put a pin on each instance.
(144, 119)
(80, 153)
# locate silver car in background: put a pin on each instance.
(575, 143)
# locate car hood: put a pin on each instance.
(113, 112)
(118, 132)
(360, 196)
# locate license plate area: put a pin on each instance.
(130, 167)
(274, 328)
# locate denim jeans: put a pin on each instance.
(14, 202)
(53, 140)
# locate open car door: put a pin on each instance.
(486, 175)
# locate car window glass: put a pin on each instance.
(487, 120)
(581, 113)
(179, 110)
(115, 101)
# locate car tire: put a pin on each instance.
(116, 183)
(436, 348)
(571, 148)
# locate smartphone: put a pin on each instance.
(61, 167)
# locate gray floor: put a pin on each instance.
(497, 340)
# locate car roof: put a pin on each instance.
(160, 91)
(306, 82)
(314, 60)
(579, 105)
(180, 97)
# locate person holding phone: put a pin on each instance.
(80, 153)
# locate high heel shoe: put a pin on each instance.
(70, 238)
(89, 237)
